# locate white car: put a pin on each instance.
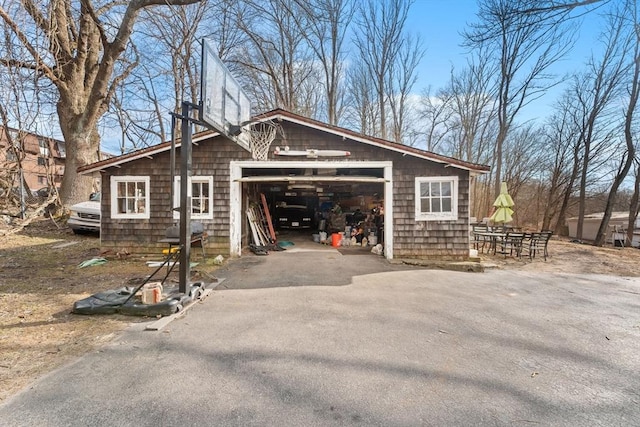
(85, 216)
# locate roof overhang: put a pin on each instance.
(405, 150)
(148, 152)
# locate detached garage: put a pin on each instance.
(415, 203)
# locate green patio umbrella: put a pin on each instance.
(503, 205)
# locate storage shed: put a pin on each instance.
(591, 224)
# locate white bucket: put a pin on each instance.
(473, 253)
(323, 236)
(373, 240)
(151, 293)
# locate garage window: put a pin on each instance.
(130, 197)
(437, 198)
(201, 197)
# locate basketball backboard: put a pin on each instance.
(224, 105)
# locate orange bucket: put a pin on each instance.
(335, 239)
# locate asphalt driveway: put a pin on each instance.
(395, 348)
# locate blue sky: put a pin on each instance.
(440, 22)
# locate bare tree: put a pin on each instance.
(365, 110)
(461, 122)
(277, 58)
(169, 72)
(138, 111)
(25, 108)
(522, 163)
(324, 24)
(472, 93)
(522, 47)
(379, 41)
(626, 19)
(595, 90)
(436, 113)
(402, 78)
(629, 125)
(173, 36)
(634, 203)
(547, 6)
(560, 164)
(80, 49)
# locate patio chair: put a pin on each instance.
(512, 244)
(477, 240)
(539, 243)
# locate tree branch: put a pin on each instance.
(39, 64)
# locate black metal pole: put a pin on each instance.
(172, 166)
(185, 198)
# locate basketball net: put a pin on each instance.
(261, 135)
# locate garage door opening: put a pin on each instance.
(304, 210)
(310, 202)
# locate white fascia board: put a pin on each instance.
(145, 153)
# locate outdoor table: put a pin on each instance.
(493, 237)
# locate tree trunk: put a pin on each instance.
(602, 235)
(583, 190)
(82, 146)
(569, 189)
(634, 207)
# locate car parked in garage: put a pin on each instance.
(294, 216)
(85, 216)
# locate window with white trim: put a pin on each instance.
(130, 197)
(437, 198)
(201, 192)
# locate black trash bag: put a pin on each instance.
(121, 301)
(107, 302)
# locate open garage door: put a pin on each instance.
(307, 198)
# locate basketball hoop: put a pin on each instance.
(261, 135)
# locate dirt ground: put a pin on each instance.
(40, 280)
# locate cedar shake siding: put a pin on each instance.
(209, 158)
(212, 154)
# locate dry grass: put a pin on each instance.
(566, 256)
(39, 282)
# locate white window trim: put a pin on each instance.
(441, 216)
(176, 196)
(114, 197)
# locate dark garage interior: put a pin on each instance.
(314, 204)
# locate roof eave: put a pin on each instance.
(138, 154)
(399, 148)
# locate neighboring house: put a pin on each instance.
(424, 197)
(43, 162)
(618, 224)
